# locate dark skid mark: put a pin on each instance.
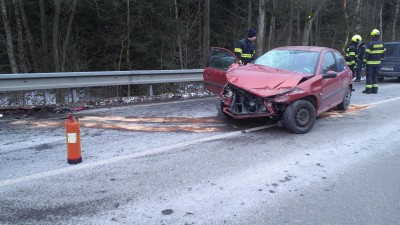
(43, 147)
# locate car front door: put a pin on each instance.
(331, 87)
(218, 62)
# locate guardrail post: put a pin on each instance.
(74, 95)
(149, 90)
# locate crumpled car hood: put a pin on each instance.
(262, 80)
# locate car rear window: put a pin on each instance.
(293, 60)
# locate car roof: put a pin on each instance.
(392, 43)
(306, 48)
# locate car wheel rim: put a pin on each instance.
(347, 98)
(302, 117)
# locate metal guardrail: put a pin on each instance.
(36, 81)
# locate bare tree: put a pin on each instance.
(10, 45)
(357, 28)
(21, 50)
(396, 14)
(310, 17)
(261, 27)
(43, 33)
(180, 53)
(29, 37)
(346, 20)
(206, 28)
(67, 35)
(56, 55)
(249, 13)
(380, 19)
(128, 33)
(272, 24)
(290, 25)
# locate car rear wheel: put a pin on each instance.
(299, 117)
(344, 105)
(381, 79)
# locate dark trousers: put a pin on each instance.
(372, 74)
(371, 84)
(358, 70)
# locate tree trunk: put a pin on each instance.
(43, 30)
(290, 25)
(380, 20)
(357, 28)
(309, 21)
(396, 14)
(21, 51)
(128, 33)
(10, 45)
(32, 48)
(56, 56)
(261, 28)
(67, 35)
(206, 32)
(272, 24)
(298, 26)
(249, 14)
(346, 21)
(180, 52)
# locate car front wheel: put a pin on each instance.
(344, 105)
(299, 117)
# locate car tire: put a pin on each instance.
(344, 105)
(299, 117)
(381, 79)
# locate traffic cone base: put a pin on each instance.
(74, 161)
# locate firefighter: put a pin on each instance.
(361, 52)
(374, 53)
(352, 54)
(244, 49)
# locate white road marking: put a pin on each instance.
(385, 101)
(84, 165)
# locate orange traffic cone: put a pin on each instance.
(73, 140)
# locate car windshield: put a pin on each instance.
(294, 60)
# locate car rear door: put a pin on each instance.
(218, 62)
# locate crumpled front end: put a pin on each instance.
(239, 103)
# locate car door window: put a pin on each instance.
(329, 63)
(340, 62)
(220, 59)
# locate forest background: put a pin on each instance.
(117, 35)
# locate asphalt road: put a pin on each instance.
(184, 163)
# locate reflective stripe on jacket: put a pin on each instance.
(375, 52)
(351, 55)
(245, 50)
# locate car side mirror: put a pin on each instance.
(329, 74)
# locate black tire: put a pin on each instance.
(380, 79)
(344, 105)
(299, 117)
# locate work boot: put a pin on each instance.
(374, 90)
(367, 91)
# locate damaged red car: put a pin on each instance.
(292, 84)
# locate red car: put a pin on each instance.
(292, 84)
